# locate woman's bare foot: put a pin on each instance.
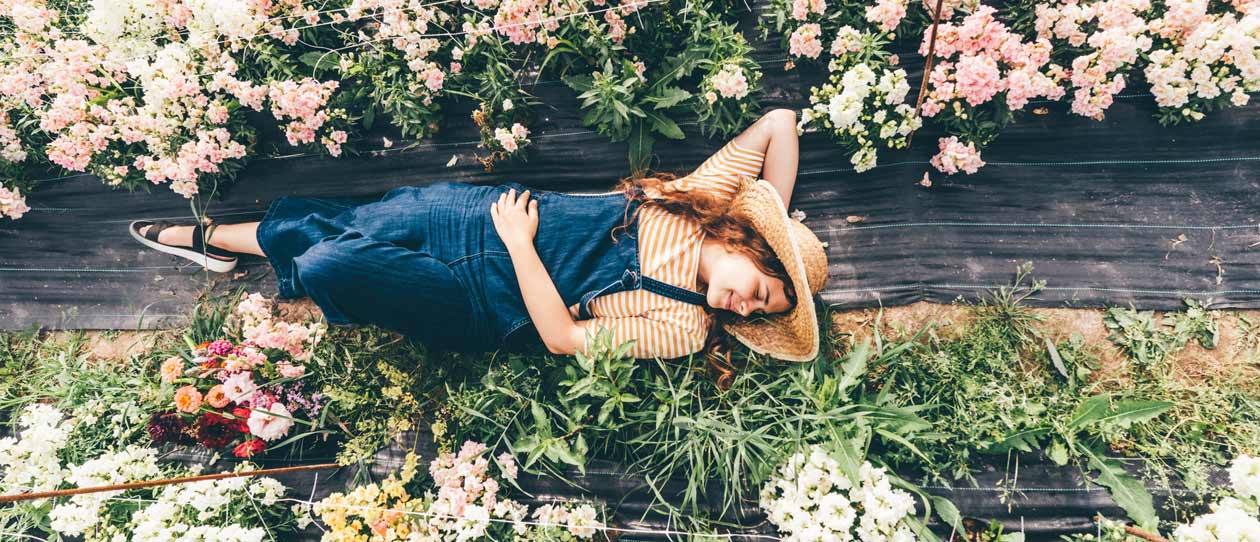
(176, 236)
(241, 238)
(179, 241)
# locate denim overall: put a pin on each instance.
(428, 263)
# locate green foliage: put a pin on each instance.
(735, 437)
(1149, 342)
(378, 386)
(115, 396)
(549, 413)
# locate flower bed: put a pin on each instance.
(140, 93)
(837, 447)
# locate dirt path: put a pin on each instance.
(1237, 351)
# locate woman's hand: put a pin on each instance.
(515, 218)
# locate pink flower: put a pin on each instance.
(505, 139)
(289, 370)
(507, 465)
(270, 424)
(800, 9)
(433, 78)
(978, 79)
(730, 82)
(804, 41)
(239, 387)
(12, 203)
(519, 131)
(955, 157)
(887, 14)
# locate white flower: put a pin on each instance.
(1244, 476)
(507, 105)
(583, 522)
(271, 423)
(239, 387)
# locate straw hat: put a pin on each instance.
(792, 335)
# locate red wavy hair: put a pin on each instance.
(732, 229)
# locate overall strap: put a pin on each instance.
(633, 280)
(673, 292)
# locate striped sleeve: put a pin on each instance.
(652, 338)
(721, 173)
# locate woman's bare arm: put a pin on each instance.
(775, 135)
(516, 220)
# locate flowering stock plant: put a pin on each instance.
(1235, 517)
(1098, 42)
(245, 394)
(863, 106)
(466, 506)
(230, 510)
(138, 92)
(812, 498)
(1203, 61)
(983, 73)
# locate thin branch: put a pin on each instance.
(927, 65)
(4, 499)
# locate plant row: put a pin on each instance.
(832, 449)
(141, 92)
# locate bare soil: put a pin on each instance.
(1236, 355)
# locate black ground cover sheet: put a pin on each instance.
(1027, 495)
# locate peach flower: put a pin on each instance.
(172, 369)
(187, 399)
(216, 397)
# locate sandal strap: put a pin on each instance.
(155, 228)
(201, 234)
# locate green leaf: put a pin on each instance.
(640, 147)
(1134, 411)
(321, 61)
(1056, 359)
(666, 127)
(369, 116)
(1058, 452)
(579, 83)
(1025, 440)
(1090, 410)
(669, 97)
(949, 514)
(1127, 491)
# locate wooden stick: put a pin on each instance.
(4, 499)
(1140, 533)
(927, 65)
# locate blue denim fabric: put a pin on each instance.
(427, 261)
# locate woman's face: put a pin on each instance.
(738, 286)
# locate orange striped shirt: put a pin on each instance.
(669, 251)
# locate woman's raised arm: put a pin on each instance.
(775, 135)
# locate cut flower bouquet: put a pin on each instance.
(243, 393)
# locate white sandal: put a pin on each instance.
(201, 253)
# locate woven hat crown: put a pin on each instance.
(792, 335)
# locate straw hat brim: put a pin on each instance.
(792, 335)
